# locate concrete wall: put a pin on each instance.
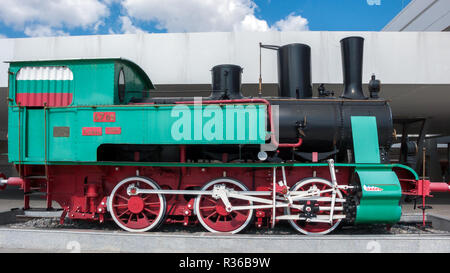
(186, 58)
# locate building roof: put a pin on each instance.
(422, 15)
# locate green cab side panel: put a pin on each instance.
(380, 187)
(73, 134)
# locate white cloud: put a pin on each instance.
(128, 27)
(207, 15)
(3, 36)
(292, 23)
(58, 17)
(197, 15)
(251, 23)
(43, 31)
(97, 26)
(109, 2)
(36, 16)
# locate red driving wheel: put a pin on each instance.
(311, 228)
(136, 213)
(213, 215)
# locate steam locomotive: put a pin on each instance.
(86, 133)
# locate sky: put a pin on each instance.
(39, 18)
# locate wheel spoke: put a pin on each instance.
(211, 200)
(145, 216)
(152, 212)
(129, 219)
(152, 204)
(211, 214)
(123, 213)
(207, 207)
(120, 196)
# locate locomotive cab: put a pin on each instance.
(60, 83)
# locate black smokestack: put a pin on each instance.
(352, 49)
(226, 82)
(294, 71)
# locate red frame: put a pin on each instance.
(82, 190)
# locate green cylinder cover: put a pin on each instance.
(381, 192)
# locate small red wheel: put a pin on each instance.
(310, 228)
(137, 213)
(212, 214)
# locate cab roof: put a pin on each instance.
(132, 64)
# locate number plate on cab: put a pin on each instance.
(104, 117)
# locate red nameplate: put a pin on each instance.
(92, 131)
(113, 130)
(104, 117)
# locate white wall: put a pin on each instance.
(186, 58)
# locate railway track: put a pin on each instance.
(45, 234)
(71, 240)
